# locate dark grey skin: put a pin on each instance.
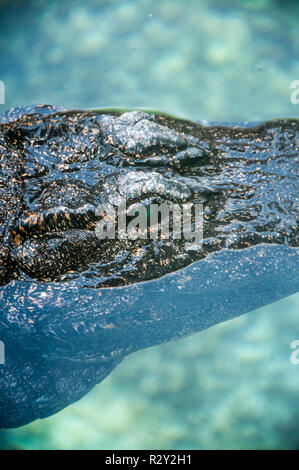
(73, 305)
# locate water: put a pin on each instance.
(232, 386)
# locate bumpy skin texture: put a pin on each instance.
(57, 166)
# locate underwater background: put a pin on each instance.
(232, 386)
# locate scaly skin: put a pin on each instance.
(57, 166)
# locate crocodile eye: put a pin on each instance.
(141, 213)
(148, 213)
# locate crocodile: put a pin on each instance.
(74, 303)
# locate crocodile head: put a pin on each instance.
(71, 298)
(72, 165)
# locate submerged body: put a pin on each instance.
(72, 305)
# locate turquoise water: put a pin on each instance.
(232, 386)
